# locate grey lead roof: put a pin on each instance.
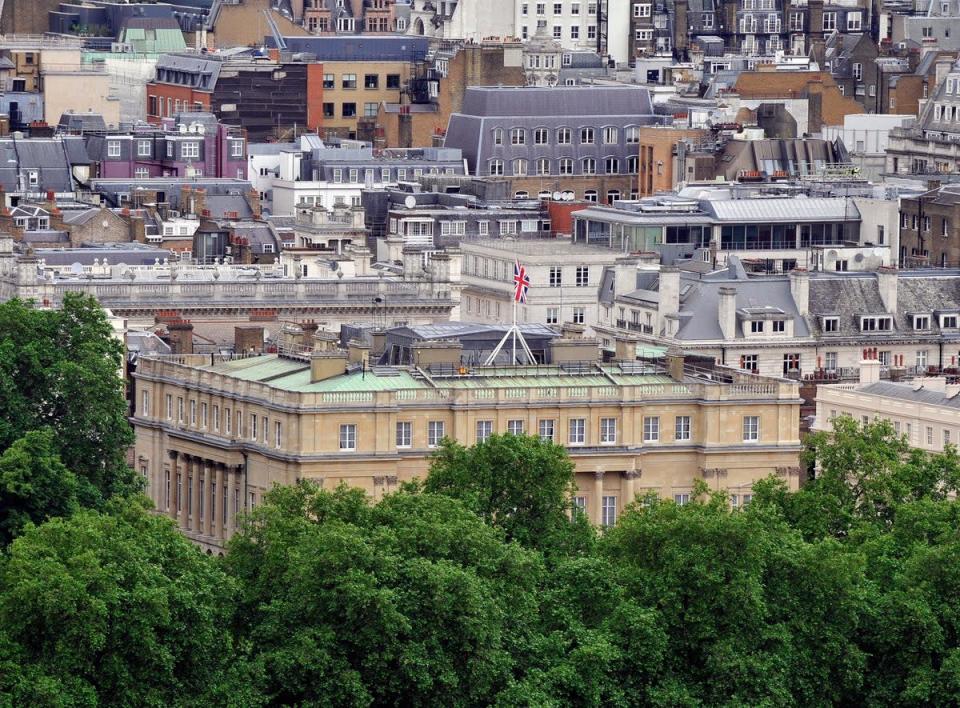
(699, 319)
(906, 392)
(488, 101)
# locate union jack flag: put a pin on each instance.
(521, 282)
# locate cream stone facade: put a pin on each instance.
(214, 435)
(926, 409)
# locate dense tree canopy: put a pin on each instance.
(480, 585)
(112, 608)
(59, 369)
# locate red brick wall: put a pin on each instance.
(185, 94)
(314, 96)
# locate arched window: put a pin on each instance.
(590, 195)
(611, 166)
(588, 166)
(520, 168)
(498, 136)
(565, 166)
(543, 166)
(496, 167)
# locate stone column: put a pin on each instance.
(378, 482)
(391, 483)
(629, 486)
(220, 521)
(174, 469)
(195, 502)
(597, 515)
(210, 499)
(183, 509)
(228, 519)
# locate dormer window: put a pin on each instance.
(876, 323)
(921, 321)
(756, 326)
(948, 321)
(830, 324)
(779, 326)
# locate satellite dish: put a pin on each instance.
(567, 196)
(557, 196)
(410, 202)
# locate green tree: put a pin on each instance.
(753, 614)
(61, 369)
(113, 609)
(413, 601)
(34, 484)
(520, 484)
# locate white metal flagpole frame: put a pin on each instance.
(514, 333)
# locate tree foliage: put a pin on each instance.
(520, 484)
(34, 484)
(59, 369)
(481, 586)
(114, 608)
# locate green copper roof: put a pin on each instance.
(294, 375)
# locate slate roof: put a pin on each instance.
(906, 392)
(698, 310)
(856, 294)
(358, 47)
(81, 122)
(487, 101)
(85, 256)
(219, 205)
(48, 156)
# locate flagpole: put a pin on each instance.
(514, 330)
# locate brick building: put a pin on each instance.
(930, 228)
(420, 116)
(583, 139)
(192, 144)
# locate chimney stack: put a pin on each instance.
(358, 353)
(727, 312)
(674, 360)
(887, 284)
(869, 371)
(181, 336)
(247, 339)
(327, 364)
(800, 290)
(669, 303)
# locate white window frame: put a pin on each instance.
(547, 429)
(577, 431)
(435, 432)
(484, 430)
(608, 431)
(404, 434)
(348, 437)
